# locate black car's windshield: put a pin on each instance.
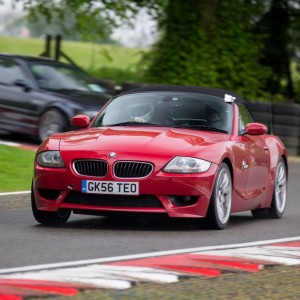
(57, 77)
(168, 109)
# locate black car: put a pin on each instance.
(38, 96)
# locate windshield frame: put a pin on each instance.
(204, 100)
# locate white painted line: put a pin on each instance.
(10, 144)
(269, 258)
(259, 253)
(145, 255)
(14, 193)
(18, 145)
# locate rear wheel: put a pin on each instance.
(220, 203)
(52, 121)
(279, 195)
(48, 217)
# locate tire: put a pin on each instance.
(286, 120)
(290, 141)
(286, 130)
(280, 190)
(292, 151)
(278, 203)
(259, 107)
(262, 117)
(48, 217)
(286, 109)
(52, 121)
(221, 199)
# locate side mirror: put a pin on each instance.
(256, 129)
(81, 121)
(23, 84)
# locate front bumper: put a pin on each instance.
(177, 195)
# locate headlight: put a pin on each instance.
(181, 164)
(50, 159)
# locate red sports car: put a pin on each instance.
(187, 152)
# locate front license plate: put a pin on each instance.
(110, 187)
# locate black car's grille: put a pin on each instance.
(132, 169)
(143, 201)
(96, 168)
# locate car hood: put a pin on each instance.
(142, 140)
(84, 98)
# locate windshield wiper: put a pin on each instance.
(203, 127)
(132, 123)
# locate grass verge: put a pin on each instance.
(89, 56)
(16, 169)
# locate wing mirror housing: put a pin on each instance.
(255, 129)
(21, 83)
(80, 121)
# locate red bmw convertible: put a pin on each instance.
(187, 152)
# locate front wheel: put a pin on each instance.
(220, 203)
(48, 217)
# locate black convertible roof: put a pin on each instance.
(189, 89)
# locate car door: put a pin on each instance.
(257, 162)
(17, 110)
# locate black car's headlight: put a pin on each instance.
(50, 159)
(190, 165)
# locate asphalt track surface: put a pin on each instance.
(24, 242)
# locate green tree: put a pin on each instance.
(245, 45)
(280, 26)
(209, 43)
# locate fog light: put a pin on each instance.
(183, 200)
(49, 194)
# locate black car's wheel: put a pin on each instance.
(49, 218)
(52, 121)
(279, 195)
(220, 203)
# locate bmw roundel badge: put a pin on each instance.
(112, 154)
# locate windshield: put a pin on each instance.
(168, 109)
(56, 77)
